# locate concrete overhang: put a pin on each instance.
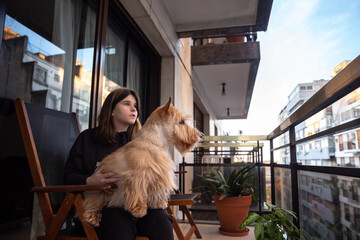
(215, 18)
(234, 64)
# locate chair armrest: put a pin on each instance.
(182, 199)
(73, 188)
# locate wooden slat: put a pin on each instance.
(89, 230)
(63, 238)
(59, 219)
(190, 232)
(176, 226)
(72, 188)
(194, 228)
(235, 138)
(207, 145)
(180, 202)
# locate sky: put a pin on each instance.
(36, 43)
(304, 41)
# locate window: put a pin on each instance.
(351, 161)
(318, 145)
(306, 88)
(357, 218)
(341, 145)
(351, 100)
(349, 233)
(354, 190)
(347, 212)
(356, 112)
(77, 70)
(129, 61)
(342, 161)
(51, 45)
(56, 78)
(345, 115)
(58, 54)
(40, 75)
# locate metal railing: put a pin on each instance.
(344, 83)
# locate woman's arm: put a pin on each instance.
(101, 178)
(81, 162)
(75, 172)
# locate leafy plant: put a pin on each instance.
(275, 225)
(231, 186)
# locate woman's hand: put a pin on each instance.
(102, 178)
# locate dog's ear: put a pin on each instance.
(167, 105)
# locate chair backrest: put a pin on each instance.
(15, 178)
(48, 136)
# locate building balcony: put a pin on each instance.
(286, 184)
(310, 189)
(229, 69)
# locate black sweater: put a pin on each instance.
(85, 153)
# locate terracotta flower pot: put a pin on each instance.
(235, 39)
(232, 211)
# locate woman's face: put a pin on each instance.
(124, 113)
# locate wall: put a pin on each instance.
(176, 76)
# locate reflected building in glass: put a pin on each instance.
(319, 208)
(329, 204)
(43, 76)
(347, 143)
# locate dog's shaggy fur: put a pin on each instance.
(144, 167)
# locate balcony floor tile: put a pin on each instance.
(211, 232)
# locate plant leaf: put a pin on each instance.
(223, 196)
(259, 231)
(252, 217)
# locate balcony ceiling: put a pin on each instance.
(216, 18)
(235, 64)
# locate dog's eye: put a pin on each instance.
(182, 122)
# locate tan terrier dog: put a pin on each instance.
(145, 170)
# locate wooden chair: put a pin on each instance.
(48, 136)
(183, 200)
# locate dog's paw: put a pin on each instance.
(139, 211)
(162, 205)
(92, 218)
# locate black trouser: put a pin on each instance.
(118, 224)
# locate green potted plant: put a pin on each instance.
(274, 225)
(232, 196)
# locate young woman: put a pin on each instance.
(118, 124)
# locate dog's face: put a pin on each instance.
(178, 132)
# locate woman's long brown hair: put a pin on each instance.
(105, 131)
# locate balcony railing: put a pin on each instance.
(325, 198)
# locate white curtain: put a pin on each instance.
(67, 16)
(115, 55)
(135, 69)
